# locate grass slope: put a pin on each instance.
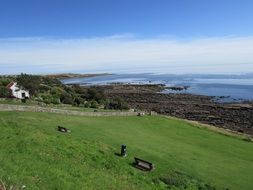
(34, 154)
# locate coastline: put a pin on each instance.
(233, 116)
(226, 88)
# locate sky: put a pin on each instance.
(115, 36)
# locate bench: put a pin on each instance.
(143, 165)
(63, 129)
(141, 114)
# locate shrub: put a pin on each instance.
(4, 92)
(94, 104)
(55, 100)
(4, 81)
(56, 91)
(87, 104)
(44, 88)
(48, 99)
(95, 94)
(78, 101)
(78, 89)
(29, 82)
(247, 139)
(50, 81)
(66, 98)
(117, 104)
(180, 180)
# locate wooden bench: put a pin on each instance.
(63, 129)
(141, 114)
(143, 164)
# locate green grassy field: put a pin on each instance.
(34, 154)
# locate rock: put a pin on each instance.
(193, 107)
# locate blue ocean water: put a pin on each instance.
(229, 87)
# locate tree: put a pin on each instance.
(78, 101)
(95, 94)
(4, 92)
(29, 82)
(66, 98)
(4, 81)
(78, 89)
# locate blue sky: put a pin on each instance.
(175, 36)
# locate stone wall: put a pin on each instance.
(6, 107)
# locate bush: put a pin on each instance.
(94, 104)
(35, 84)
(87, 104)
(4, 92)
(117, 104)
(44, 88)
(66, 98)
(55, 100)
(78, 89)
(50, 81)
(56, 91)
(48, 99)
(180, 180)
(78, 101)
(247, 139)
(95, 94)
(4, 81)
(29, 82)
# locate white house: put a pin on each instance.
(18, 92)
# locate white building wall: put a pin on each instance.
(16, 92)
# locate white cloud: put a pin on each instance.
(127, 53)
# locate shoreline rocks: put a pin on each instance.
(234, 116)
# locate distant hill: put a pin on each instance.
(72, 75)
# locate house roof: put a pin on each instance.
(10, 85)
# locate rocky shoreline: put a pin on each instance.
(234, 116)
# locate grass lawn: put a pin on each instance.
(34, 154)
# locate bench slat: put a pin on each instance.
(143, 164)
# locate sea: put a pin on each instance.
(223, 88)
